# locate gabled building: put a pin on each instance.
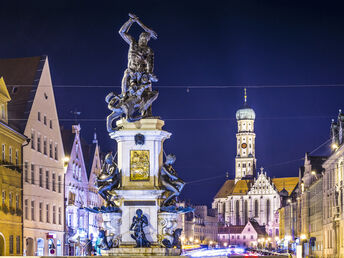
(11, 210)
(32, 112)
(94, 199)
(76, 192)
(250, 196)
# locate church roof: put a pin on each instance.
(287, 183)
(242, 187)
(21, 76)
(226, 189)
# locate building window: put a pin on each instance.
(47, 179)
(26, 171)
(40, 177)
(11, 244)
(51, 124)
(251, 236)
(17, 202)
(54, 214)
(237, 217)
(3, 152)
(56, 154)
(39, 143)
(18, 244)
(45, 146)
(54, 182)
(10, 154)
(47, 210)
(39, 116)
(10, 198)
(26, 209)
(256, 208)
(32, 140)
(3, 197)
(59, 184)
(267, 211)
(32, 210)
(41, 212)
(45, 119)
(60, 216)
(50, 149)
(17, 158)
(32, 174)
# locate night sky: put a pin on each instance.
(281, 50)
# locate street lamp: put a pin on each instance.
(196, 241)
(303, 237)
(225, 244)
(191, 239)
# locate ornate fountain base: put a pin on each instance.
(147, 252)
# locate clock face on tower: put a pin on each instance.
(244, 145)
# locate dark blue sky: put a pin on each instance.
(213, 43)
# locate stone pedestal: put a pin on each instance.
(112, 223)
(167, 223)
(140, 158)
(146, 252)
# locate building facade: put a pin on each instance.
(94, 199)
(34, 112)
(250, 196)
(11, 210)
(76, 193)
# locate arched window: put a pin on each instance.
(237, 217)
(267, 211)
(256, 208)
(245, 212)
(224, 208)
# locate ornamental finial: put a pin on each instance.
(245, 95)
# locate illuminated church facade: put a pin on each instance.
(250, 197)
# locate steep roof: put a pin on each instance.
(242, 187)
(226, 189)
(287, 183)
(231, 229)
(21, 76)
(259, 229)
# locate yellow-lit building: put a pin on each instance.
(11, 210)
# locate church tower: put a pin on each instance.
(245, 161)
